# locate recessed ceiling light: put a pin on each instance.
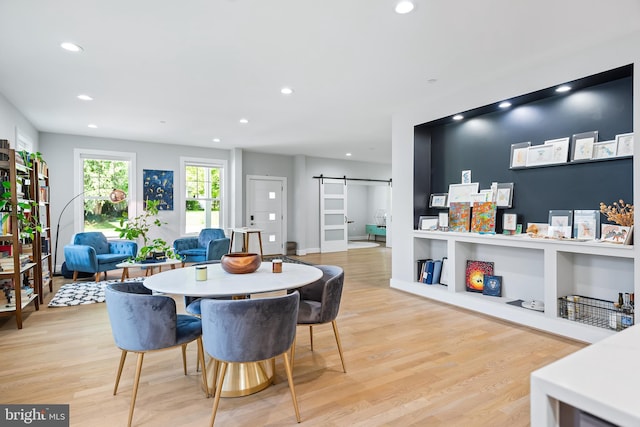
(286, 91)
(404, 6)
(432, 81)
(92, 126)
(458, 117)
(85, 97)
(244, 121)
(71, 47)
(563, 88)
(348, 154)
(163, 121)
(216, 139)
(505, 104)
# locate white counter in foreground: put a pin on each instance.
(602, 379)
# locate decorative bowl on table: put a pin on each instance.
(240, 263)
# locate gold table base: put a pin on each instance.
(242, 379)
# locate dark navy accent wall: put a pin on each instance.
(483, 145)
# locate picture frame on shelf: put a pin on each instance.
(461, 192)
(443, 221)
(466, 177)
(614, 233)
(480, 197)
(438, 200)
(539, 155)
(625, 144)
(586, 224)
(537, 229)
(460, 216)
(605, 149)
(474, 274)
(582, 145)
(560, 149)
(428, 223)
(483, 217)
(492, 285)
(560, 224)
(519, 155)
(509, 223)
(504, 197)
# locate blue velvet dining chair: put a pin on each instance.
(142, 322)
(320, 302)
(249, 330)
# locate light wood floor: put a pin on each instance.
(410, 361)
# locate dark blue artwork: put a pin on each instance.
(158, 185)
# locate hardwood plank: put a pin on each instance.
(410, 361)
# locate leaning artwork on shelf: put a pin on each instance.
(613, 233)
(582, 145)
(586, 224)
(560, 224)
(483, 218)
(504, 198)
(428, 223)
(560, 149)
(625, 144)
(492, 285)
(519, 154)
(509, 223)
(461, 192)
(438, 200)
(459, 216)
(605, 149)
(475, 273)
(539, 155)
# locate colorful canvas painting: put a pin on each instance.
(475, 273)
(483, 218)
(459, 216)
(158, 185)
(492, 286)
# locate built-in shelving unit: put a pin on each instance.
(42, 238)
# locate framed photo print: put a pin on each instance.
(614, 233)
(560, 149)
(492, 285)
(586, 224)
(466, 177)
(504, 197)
(461, 192)
(605, 149)
(540, 155)
(560, 224)
(443, 221)
(625, 144)
(438, 200)
(509, 222)
(519, 155)
(428, 223)
(582, 145)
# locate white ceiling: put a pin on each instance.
(201, 65)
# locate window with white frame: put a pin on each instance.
(204, 201)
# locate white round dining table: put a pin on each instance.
(242, 378)
(182, 281)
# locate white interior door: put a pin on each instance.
(266, 210)
(333, 215)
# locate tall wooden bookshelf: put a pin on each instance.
(42, 238)
(19, 276)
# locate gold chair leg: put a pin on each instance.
(204, 369)
(216, 401)
(293, 352)
(335, 332)
(136, 381)
(287, 367)
(184, 358)
(311, 336)
(123, 356)
(216, 371)
(75, 276)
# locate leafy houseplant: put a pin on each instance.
(140, 226)
(27, 223)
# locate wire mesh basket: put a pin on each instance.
(594, 312)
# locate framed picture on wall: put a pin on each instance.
(519, 155)
(438, 200)
(605, 149)
(540, 155)
(625, 144)
(461, 192)
(582, 145)
(504, 198)
(560, 149)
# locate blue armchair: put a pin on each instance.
(91, 252)
(210, 245)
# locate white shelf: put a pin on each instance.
(532, 269)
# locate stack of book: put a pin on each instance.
(430, 271)
(6, 263)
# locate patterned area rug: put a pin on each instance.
(79, 293)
